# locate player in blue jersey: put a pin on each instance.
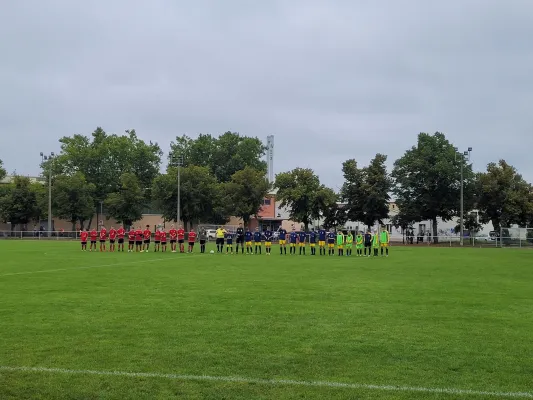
(322, 241)
(282, 241)
(229, 242)
(331, 242)
(293, 238)
(268, 241)
(312, 241)
(302, 236)
(258, 236)
(248, 241)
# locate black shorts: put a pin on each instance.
(93, 241)
(191, 244)
(102, 241)
(172, 240)
(240, 240)
(164, 243)
(181, 240)
(202, 241)
(131, 242)
(368, 244)
(157, 241)
(139, 242)
(111, 241)
(146, 241)
(84, 243)
(121, 240)
(220, 241)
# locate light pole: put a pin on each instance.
(462, 157)
(177, 159)
(49, 158)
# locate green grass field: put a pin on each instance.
(425, 323)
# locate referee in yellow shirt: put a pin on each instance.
(221, 232)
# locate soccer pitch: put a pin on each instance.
(425, 323)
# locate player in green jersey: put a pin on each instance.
(384, 240)
(375, 243)
(359, 244)
(340, 242)
(349, 243)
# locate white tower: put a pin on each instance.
(270, 158)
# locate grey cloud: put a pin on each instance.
(331, 80)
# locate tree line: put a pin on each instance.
(226, 176)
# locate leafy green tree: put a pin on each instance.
(367, 190)
(223, 156)
(18, 204)
(405, 219)
(470, 223)
(300, 190)
(103, 158)
(72, 198)
(127, 204)
(3, 172)
(352, 190)
(200, 194)
(245, 193)
(427, 180)
(504, 197)
(334, 215)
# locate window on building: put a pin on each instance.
(266, 202)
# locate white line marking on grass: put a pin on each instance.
(91, 266)
(273, 382)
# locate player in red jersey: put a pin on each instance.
(131, 239)
(83, 238)
(103, 237)
(163, 239)
(120, 233)
(191, 240)
(94, 237)
(147, 234)
(112, 238)
(173, 233)
(181, 239)
(139, 239)
(157, 239)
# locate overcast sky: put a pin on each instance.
(331, 80)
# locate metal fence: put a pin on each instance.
(515, 237)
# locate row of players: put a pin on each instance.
(139, 240)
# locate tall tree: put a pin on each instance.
(245, 193)
(127, 204)
(223, 155)
(73, 198)
(352, 190)
(427, 180)
(470, 223)
(504, 197)
(19, 204)
(334, 216)
(367, 190)
(301, 191)
(3, 172)
(405, 219)
(103, 158)
(199, 194)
